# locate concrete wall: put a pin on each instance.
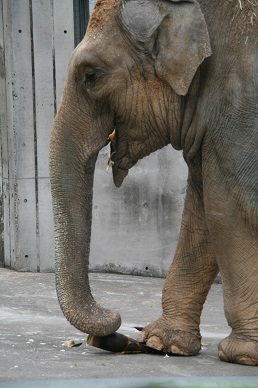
(37, 42)
(135, 228)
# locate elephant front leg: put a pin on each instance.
(189, 279)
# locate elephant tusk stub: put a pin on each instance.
(112, 138)
(110, 162)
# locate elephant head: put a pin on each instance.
(131, 73)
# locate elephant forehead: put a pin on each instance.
(101, 14)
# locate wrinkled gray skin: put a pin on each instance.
(166, 72)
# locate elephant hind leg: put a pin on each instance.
(239, 351)
(236, 247)
(188, 282)
(237, 256)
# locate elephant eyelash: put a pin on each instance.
(92, 76)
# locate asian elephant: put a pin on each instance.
(159, 72)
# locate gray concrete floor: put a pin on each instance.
(33, 331)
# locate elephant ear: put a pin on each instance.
(182, 44)
(175, 32)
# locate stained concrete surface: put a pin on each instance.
(33, 331)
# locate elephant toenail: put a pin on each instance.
(155, 343)
(245, 360)
(141, 337)
(176, 350)
(222, 356)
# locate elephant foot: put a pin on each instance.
(239, 350)
(161, 335)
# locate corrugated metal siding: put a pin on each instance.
(81, 17)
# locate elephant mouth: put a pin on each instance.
(118, 160)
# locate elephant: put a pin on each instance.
(160, 72)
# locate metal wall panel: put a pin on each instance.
(81, 17)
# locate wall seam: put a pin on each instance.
(35, 135)
(53, 56)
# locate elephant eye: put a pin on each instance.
(92, 76)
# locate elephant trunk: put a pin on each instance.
(72, 172)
